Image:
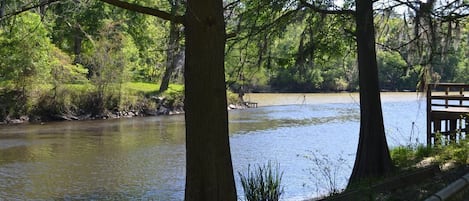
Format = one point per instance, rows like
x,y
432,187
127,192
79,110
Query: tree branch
x,y
409,4
324,11
146,10
24,9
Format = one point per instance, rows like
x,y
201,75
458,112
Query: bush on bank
x,y
86,101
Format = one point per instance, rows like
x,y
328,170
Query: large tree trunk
x,y
173,49
209,172
372,159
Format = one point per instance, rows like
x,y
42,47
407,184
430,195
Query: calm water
x,y
144,159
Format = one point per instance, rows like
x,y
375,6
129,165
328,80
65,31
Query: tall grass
x,y
263,183
408,156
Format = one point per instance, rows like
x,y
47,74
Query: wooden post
x,y
446,94
452,130
436,128
461,93
429,111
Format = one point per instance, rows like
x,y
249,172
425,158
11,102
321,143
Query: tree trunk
x,y
42,9
173,49
372,159
77,43
2,8
209,171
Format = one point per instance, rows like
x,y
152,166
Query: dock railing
x,y
447,110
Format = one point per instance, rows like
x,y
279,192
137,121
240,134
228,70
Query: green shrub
x,y
232,98
456,151
13,103
423,151
173,97
403,156
263,183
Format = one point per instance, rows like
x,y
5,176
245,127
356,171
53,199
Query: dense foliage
x,y
74,59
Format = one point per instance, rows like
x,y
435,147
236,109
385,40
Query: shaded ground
x,y
427,187
410,186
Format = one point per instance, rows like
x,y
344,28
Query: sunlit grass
x,y
142,87
150,88
406,156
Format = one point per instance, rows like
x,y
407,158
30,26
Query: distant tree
x,y
24,64
429,36
109,61
173,48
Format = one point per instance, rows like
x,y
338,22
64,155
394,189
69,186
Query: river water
x,y
144,158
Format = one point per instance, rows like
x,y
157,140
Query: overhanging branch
x,y
146,10
24,9
325,11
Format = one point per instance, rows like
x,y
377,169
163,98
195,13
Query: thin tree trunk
x,y
2,8
42,9
77,43
372,159
173,49
209,172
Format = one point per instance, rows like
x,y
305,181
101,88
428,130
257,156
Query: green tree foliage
x,y
290,49
109,63
24,63
149,35
394,73
462,69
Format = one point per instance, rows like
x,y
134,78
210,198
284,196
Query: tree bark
x,y
77,43
2,8
209,172
372,159
173,49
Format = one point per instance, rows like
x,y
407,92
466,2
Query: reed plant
x,y
262,183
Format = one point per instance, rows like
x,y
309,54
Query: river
x,y
144,158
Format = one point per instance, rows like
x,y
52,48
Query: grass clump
x,y
233,98
407,156
173,97
403,156
457,152
263,183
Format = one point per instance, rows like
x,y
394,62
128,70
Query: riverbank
x,y
421,172
416,184
171,103
87,102
144,101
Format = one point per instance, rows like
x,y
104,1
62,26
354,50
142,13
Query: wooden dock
x,y
250,104
447,111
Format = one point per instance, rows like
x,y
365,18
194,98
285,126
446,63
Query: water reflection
x,y
144,158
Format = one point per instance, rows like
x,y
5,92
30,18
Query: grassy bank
x,y
420,172
86,101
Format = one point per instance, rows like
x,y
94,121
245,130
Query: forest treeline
x,y
71,59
